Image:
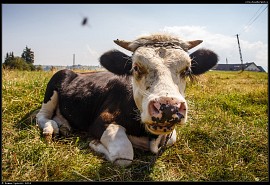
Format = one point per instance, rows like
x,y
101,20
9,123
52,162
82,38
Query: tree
x,y
17,63
28,55
9,56
26,62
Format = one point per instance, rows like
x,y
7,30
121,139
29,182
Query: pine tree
x,y
21,63
7,57
28,55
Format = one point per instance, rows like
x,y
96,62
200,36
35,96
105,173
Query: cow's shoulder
x,y
58,80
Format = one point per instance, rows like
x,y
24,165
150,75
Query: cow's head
x,y
159,67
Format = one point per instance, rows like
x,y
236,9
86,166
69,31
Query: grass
x,y
225,138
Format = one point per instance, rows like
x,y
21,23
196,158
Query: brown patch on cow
x,y
106,116
109,117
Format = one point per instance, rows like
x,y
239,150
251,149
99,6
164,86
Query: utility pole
x,y
226,61
240,53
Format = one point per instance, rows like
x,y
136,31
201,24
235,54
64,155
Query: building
x,y
74,67
238,67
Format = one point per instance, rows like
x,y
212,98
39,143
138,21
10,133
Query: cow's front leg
x,y
155,144
115,145
172,139
44,117
152,144
64,127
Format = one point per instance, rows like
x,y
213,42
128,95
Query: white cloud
x,y
225,46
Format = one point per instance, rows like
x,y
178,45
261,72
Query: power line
x,y
254,15
257,16
250,23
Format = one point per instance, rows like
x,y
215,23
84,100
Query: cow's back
x,y
86,98
81,98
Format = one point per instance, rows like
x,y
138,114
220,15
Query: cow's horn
x,y
123,44
194,43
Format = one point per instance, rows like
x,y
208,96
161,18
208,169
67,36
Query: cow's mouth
x,y
158,129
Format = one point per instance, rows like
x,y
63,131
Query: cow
x,y
135,103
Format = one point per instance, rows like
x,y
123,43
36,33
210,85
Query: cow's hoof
x,y
51,127
48,137
65,131
122,162
94,143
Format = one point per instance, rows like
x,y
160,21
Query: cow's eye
x,y
138,71
186,72
136,68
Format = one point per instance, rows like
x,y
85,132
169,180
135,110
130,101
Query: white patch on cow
x,y
62,123
152,145
161,79
115,145
43,118
172,139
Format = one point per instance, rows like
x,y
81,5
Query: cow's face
x,y
158,67
158,87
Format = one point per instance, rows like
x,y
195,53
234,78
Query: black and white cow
x,y
136,103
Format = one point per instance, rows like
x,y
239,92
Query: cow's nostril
x,y
180,116
182,108
154,108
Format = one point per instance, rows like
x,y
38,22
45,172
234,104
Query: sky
x,y
54,31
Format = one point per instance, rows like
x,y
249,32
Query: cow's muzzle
x,y
165,114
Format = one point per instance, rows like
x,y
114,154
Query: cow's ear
x,y
202,61
116,62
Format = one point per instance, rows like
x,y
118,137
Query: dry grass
x,y
225,139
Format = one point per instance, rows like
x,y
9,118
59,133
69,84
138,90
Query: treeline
x,y
25,62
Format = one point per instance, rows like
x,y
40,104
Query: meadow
x,y
225,138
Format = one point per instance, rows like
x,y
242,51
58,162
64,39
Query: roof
x,y
260,67
235,67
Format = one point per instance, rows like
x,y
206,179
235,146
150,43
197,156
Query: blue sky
x,y
54,32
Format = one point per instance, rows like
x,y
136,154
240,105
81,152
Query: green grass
x,y
225,138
